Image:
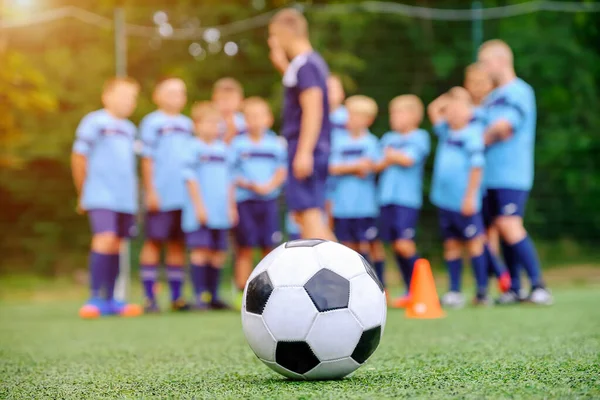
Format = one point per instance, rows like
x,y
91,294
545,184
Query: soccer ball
x,y
313,309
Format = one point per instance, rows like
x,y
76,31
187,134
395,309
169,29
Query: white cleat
x,y
453,300
541,296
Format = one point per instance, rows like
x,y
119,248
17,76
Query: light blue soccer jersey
x,y
339,118
458,152
509,164
165,139
352,196
257,162
210,165
108,144
240,125
403,186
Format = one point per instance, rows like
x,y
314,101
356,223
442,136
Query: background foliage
x,y
51,75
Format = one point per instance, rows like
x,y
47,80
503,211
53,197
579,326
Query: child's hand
x,y
233,215
262,190
201,215
390,156
364,167
152,202
468,206
244,184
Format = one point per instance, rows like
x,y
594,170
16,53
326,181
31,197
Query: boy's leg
x,y
213,272
175,262
199,243
452,235
404,224
377,255
246,239
474,237
156,229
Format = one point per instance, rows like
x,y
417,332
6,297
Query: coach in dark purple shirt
x,y
306,124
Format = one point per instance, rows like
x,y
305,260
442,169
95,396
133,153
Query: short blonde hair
x,y
498,47
292,19
202,109
362,104
113,82
410,101
255,101
460,93
228,85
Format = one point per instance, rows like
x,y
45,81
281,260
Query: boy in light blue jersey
x,y
260,159
400,191
227,96
456,190
209,211
104,171
352,161
510,134
165,135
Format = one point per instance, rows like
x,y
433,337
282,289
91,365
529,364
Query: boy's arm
x,y
85,138
497,132
511,110
470,200
79,172
311,102
193,188
149,137
233,213
435,110
398,157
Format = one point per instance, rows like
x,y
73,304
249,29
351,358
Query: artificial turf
x,y
512,352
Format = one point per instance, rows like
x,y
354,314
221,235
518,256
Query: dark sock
x,y
149,275
198,275
378,266
405,270
493,263
528,258
366,257
455,273
213,276
175,276
112,275
512,264
98,272
479,266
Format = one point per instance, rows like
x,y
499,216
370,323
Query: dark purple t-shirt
x,y
304,72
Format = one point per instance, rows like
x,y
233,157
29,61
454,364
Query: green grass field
x,y
515,352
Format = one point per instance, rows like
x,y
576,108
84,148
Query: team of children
x,y
224,168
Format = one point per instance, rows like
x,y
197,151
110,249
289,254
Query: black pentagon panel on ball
x,y
367,344
258,293
304,243
328,291
296,356
372,274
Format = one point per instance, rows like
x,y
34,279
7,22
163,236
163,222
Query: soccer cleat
x,y
123,309
151,307
218,304
401,302
200,306
180,305
482,300
504,282
453,300
541,296
94,308
507,298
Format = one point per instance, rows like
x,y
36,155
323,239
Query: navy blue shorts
x,y
355,230
398,222
507,202
486,214
311,192
104,221
258,224
293,236
454,225
163,225
206,238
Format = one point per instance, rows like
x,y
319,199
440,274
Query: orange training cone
x,y
424,303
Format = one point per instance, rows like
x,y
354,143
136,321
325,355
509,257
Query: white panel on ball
x,y
340,259
283,371
325,339
289,313
334,369
259,338
294,266
367,301
267,261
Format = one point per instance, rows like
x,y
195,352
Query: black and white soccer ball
x,y
313,309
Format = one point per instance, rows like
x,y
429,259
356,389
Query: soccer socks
x,y
175,276
99,264
512,263
379,270
455,273
149,275
213,277
493,262
111,275
479,265
527,255
198,275
406,266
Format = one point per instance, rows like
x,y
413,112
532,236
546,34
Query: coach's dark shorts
x,y
454,225
355,230
308,193
206,238
121,224
164,225
258,224
507,202
398,222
